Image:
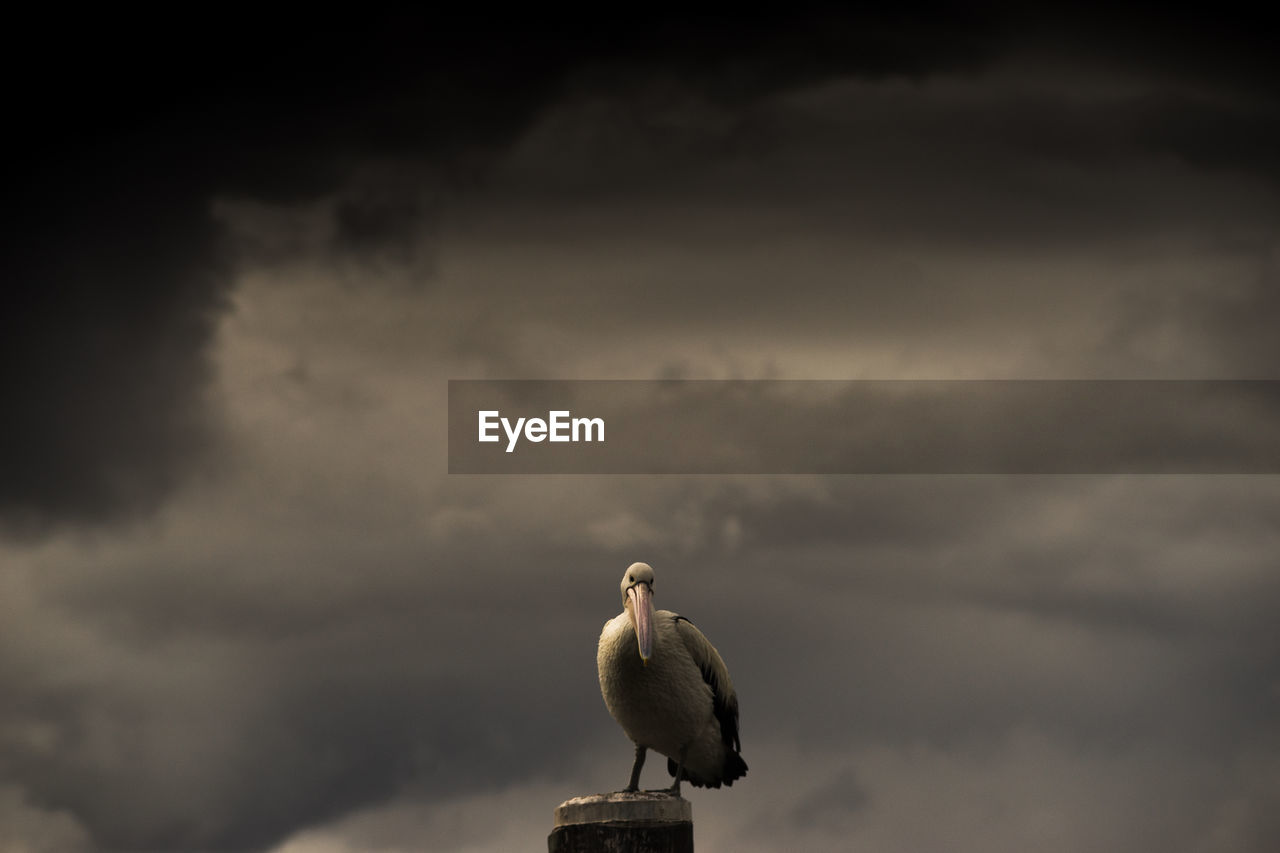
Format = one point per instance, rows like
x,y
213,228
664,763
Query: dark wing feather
x,y
716,675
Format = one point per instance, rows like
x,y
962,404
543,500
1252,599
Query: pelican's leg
x,y
634,784
674,790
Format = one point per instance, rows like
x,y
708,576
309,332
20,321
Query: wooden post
x,y
643,822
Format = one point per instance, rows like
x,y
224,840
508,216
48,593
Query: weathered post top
x,y
640,822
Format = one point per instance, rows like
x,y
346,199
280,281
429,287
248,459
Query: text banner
x,y
864,427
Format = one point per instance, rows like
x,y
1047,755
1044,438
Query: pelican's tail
x,y
733,768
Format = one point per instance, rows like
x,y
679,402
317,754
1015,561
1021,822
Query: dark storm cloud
x,y
1232,136
102,343
950,212
386,220
1019,156
113,279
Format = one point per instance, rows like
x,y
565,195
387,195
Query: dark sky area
x,y
244,607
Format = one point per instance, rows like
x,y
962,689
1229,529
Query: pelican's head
x,y
637,598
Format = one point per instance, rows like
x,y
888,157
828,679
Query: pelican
x,y
668,688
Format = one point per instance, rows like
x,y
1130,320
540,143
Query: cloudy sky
x,y
243,606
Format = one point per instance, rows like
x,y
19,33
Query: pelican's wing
x,y
716,675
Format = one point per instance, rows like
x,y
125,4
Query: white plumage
x,y
669,689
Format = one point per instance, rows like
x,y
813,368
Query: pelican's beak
x,y
640,597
